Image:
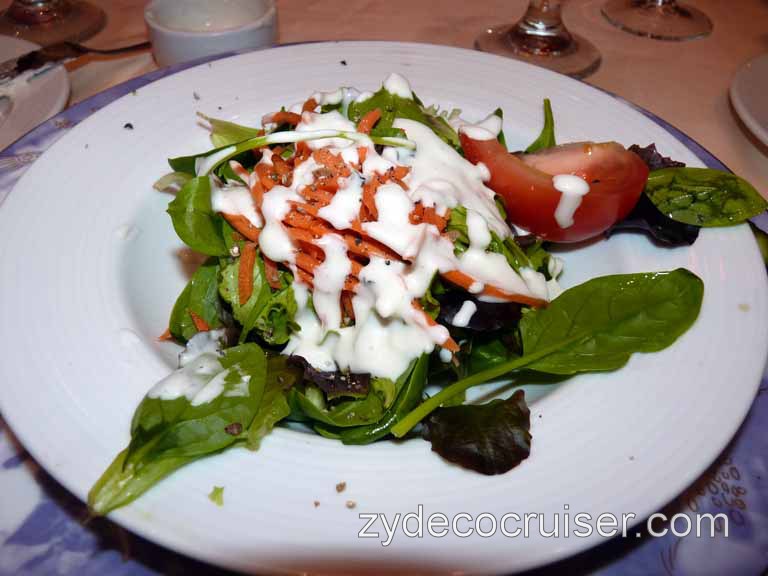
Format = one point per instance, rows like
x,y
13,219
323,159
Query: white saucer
x,y
32,97
748,95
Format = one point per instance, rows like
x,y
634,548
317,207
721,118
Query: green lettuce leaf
x,y
201,297
194,220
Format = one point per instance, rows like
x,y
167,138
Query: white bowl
x,y
182,30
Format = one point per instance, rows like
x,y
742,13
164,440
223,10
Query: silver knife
x,y
38,58
60,52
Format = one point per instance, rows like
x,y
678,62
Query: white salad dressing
x,y
329,280
390,330
274,241
345,206
487,129
572,189
464,315
234,199
399,86
201,378
312,121
440,177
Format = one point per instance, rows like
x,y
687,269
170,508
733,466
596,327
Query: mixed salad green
x,y
356,256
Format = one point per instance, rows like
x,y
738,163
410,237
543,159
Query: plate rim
x,y
745,115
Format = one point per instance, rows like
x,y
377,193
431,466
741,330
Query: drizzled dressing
x,y
388,332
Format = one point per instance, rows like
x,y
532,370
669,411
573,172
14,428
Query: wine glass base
x,y
579,60
79,23
675,22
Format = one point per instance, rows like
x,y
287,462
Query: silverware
x,y
55,53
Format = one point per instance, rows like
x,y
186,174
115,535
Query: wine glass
x,y
541,38
660,19
47,22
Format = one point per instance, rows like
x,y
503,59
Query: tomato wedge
x,y
616,178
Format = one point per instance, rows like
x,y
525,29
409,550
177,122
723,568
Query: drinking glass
x,y
541,38
660,19
47,22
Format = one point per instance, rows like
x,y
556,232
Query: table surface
x,y
684,83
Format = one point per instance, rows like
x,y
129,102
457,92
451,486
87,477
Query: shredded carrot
x,y
306,262
450,343
245,272
243,226
362,154
369,201
367,248
465,281
300,234
283,117
282,169
346,306
356,267
301,153
272,273
417,214
350,284
305,277
398,172
165,336
432,217
334,162
309,105
200,324
313,194
368,121
257,192
267,176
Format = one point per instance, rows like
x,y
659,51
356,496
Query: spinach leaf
x,y
429,302
489,438
200,296
762,241
224,133
391,106
645,217
194,220
547,137
501,138
534,256
442,128
275,323
595,326
172,182
245,313
344,414
188,164
703,196
269,312
274,405
169,433
598,325
410,387
487,353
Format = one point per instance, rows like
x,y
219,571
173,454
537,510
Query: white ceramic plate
x,y
90,269
31,98
748,95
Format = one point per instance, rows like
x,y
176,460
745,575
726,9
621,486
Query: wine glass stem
x,y
541,29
